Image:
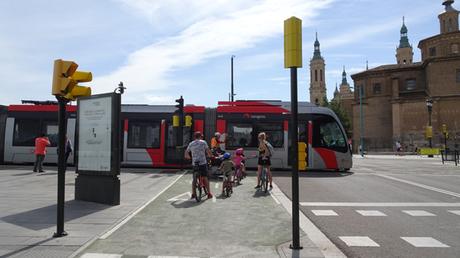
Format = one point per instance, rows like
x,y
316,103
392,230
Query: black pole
x,y
231,91
61,168
429,124
295,163
180,139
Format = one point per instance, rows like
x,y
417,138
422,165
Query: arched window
x,y
316,75
321,75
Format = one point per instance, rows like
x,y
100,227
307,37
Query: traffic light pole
x,y
61,167
295,163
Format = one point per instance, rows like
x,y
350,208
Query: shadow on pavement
x,y
41,218
182,204
30,246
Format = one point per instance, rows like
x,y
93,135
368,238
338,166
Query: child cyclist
x,y
226,168
238,161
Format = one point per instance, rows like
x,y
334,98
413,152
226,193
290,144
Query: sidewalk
x,y
28,210
156,218
247,224
393,156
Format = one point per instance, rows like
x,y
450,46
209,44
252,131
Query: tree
x,y
340,112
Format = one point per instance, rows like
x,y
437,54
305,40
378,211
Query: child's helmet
x,y
239,151
226,155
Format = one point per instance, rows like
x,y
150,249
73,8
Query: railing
x,y
450,155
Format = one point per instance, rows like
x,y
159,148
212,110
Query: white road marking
x,y
371,213
424,242
154,256
274,198
327,248
455,212
324,213
421,185
99,255
361,241
214,199
181,197
217,185
419,213
381,204
125,220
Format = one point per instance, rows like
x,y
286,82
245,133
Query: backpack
x,y
270,148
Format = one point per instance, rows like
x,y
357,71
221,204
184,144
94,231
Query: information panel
x,y
97,134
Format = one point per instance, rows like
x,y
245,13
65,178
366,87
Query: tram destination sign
x,y
98,134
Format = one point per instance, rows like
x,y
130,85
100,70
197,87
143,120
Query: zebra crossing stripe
x,y
419,213
360,241
455,212
100,255
371,213
424,242
324,213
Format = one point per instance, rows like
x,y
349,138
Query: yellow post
x,y
292,42
175,121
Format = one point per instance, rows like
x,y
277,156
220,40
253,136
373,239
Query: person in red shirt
x,y
40,151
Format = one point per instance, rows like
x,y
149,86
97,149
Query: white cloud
x,y
150,68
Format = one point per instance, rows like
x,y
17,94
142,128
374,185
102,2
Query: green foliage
x,y
340,112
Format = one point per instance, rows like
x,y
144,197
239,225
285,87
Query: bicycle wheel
x,y
262,180
198,190
266,182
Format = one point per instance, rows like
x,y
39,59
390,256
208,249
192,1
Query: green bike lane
x,y
249,224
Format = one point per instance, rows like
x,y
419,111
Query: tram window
x,y
25,132
240,135
275,133
327,134
51,129
143,135
245,135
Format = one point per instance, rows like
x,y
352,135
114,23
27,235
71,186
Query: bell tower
x,y
404,53
317,78
448,20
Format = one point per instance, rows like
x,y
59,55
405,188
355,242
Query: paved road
x,y
387,207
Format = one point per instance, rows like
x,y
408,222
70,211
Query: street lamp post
x,y
231,90
429,105
361,120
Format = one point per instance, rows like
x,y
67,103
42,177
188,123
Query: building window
x,y
316,75
454,48
458,75
411,84
377,88
321,75
143,134
432,51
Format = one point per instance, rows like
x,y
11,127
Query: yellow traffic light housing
x,y
66,79
188,121
176,121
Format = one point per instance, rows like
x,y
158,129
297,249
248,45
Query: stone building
x,y
394,96
345,95
317,76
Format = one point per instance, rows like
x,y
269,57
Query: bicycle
x,y
264,180
199,183
228,186
238,175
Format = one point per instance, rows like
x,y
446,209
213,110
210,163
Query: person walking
x,y
68,148
40,152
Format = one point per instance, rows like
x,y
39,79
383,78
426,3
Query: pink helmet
x,y
239,151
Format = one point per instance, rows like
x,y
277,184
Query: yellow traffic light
x,y
444,129
66,79
175,121
188,121
61,76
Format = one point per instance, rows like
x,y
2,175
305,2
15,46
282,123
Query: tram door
x,y
174,152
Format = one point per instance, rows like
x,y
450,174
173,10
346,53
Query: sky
x,y
163,49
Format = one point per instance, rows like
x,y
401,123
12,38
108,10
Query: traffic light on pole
x,y
180,105
66,79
